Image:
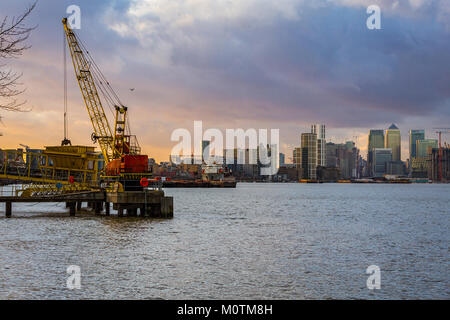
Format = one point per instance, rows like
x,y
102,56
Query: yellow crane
x,y
113,144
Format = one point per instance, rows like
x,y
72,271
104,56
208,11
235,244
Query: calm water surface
x,y
280,241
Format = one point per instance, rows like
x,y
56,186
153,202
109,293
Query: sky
x,y
260,64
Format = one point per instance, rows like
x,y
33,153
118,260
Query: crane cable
x,y
103,90
100,74
66,129
106,90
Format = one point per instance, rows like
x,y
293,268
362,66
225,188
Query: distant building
x,y
328,174
288,172
421,166
394,142
250,164
244,164
344,156
297,157
395,168
282,159
319,130
354,160
363,169
381,156
443,165
414,135
309,155
376,140
331,159
425,146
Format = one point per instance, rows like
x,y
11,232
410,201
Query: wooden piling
x,y
8,209
167,207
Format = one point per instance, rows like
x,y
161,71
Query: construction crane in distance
x,y
120,149
441,131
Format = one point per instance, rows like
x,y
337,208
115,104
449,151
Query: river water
x,y
258,241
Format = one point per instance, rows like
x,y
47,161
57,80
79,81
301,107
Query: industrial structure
x,y
442,159
118,174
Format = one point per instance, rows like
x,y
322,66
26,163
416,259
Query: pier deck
x,y
151,203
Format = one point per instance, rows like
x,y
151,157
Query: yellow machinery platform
x,y
70,167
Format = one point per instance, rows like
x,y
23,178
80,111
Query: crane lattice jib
x,y
102,130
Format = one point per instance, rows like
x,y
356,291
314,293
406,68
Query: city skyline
x,y
232,157
269,81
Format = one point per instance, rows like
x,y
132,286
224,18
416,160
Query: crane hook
x,y
94,138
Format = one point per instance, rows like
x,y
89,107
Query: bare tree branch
x,y
13,37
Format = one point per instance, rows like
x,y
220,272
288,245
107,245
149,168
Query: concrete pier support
x,y
8,209
132,212
98,207
72,206
156,211
142,211
107,208
151,203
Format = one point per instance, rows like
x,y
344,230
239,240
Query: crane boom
x,y
112,146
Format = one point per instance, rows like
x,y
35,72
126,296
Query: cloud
x,y
295,55
251,63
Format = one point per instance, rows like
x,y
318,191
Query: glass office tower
x,y
394,142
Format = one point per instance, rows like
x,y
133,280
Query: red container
x,y
134,164
113,168
128,164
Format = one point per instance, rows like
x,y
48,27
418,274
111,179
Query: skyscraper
x,y
297,157
376,140
393,142
421,163
309,155
332,155
414,135
282,159
424,147
381,157
319,130
344,156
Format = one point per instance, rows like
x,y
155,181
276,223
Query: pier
x,y
147,203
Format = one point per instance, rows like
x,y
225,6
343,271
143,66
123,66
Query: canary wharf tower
x,y
393,142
